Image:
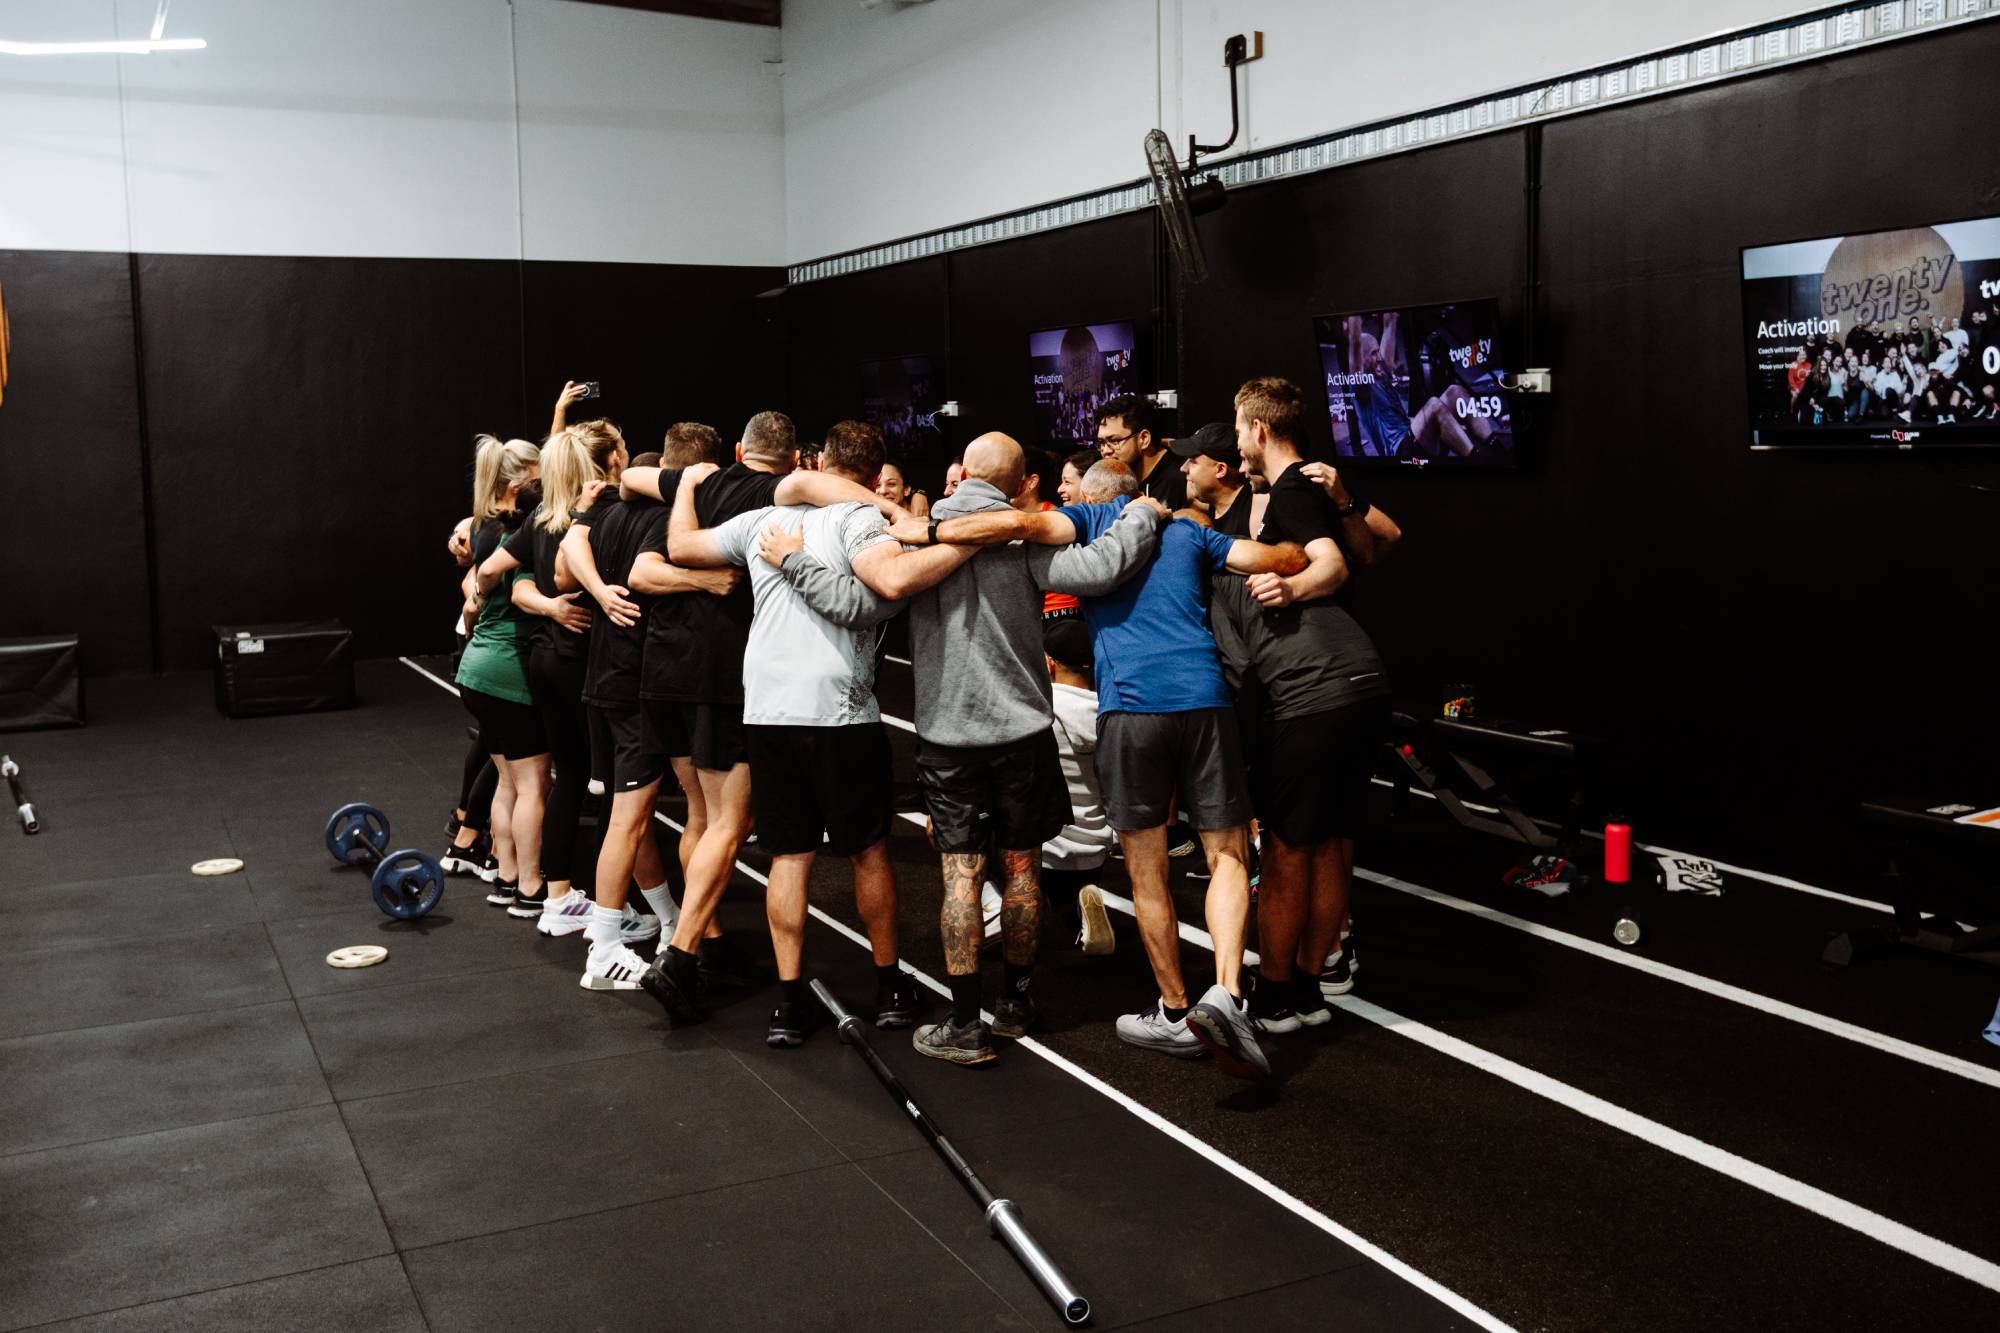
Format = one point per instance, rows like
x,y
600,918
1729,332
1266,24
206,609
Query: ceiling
x,y
763,12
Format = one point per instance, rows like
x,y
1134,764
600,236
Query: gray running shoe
x,y
1152,1029
1221,1022
969,1045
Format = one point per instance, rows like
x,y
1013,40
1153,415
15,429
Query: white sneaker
x,y
989,907
565,915
1095,938
1151,1029
612,968
637,928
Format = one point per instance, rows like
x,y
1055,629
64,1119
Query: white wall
x,y
414,128
901,119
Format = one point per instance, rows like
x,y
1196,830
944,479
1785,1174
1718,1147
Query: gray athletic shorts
x,y
1144,758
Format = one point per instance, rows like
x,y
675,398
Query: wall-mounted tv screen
x,y
1417,386
901,396
1885,339
1077,370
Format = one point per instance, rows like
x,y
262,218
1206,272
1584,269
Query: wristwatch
x,y
1356,507
934,528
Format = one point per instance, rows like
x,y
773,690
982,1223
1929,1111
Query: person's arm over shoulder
x,y
637,483
823,489
496,567
688,544
841,598
1050,527
1114,554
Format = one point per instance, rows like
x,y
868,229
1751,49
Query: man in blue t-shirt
x,y
1166,726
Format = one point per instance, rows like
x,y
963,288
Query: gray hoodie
x,y
976,638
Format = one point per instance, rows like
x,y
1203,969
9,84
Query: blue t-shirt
x,y
1150,637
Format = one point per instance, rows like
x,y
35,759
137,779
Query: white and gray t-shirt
x,y
800,669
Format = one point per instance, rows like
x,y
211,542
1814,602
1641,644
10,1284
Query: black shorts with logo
x,y
508,730
980,796
820,788
1310,777
1143,759
638,758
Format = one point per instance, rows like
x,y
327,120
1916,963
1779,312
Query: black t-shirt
x,y
618,531
1235,520
1306,658
695,641
1166,482
534,547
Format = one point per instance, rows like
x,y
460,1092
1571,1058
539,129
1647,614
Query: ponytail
x,y
572,459
495,466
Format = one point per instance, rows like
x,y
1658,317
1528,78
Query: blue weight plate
x,y
357,833
407,884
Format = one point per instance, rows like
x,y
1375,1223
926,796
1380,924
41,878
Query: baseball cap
x,y
1214,440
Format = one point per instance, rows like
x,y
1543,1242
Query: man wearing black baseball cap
x,y
1213,466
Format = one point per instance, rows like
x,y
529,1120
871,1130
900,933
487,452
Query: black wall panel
x,y
72,525
1763,636
666,343
311,424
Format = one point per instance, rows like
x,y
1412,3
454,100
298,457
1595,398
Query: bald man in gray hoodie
x,y
986,753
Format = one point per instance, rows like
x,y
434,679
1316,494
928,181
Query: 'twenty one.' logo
x,y
1889,276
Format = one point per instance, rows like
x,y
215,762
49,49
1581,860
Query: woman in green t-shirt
x,y
493,676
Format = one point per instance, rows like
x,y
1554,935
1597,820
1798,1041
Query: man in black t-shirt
x,y
1322,699
1125,432
1212,467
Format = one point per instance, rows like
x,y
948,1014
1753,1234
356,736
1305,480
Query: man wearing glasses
x,y
1124,432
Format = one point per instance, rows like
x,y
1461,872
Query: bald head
x,y
1108,480
996,459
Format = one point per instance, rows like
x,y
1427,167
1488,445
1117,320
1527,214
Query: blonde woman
x,y
493,676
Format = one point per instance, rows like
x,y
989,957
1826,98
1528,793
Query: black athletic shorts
x,y
809,781
1310,776
713,734
508,730
637,759
981,796
1144,758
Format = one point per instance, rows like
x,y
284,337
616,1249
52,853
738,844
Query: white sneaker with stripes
x,y
565,915
614,967
637,927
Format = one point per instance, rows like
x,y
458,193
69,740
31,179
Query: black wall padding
x,y
1764,636
72,528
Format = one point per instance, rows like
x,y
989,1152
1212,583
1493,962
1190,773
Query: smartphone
x,y
590,389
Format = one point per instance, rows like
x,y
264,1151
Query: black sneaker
x,y
1271,1005
461,861
969,1045
725,967
1353,959
675,981
788,1026
1307,1002
1013,1017
489,868
1338,979
503,893
898,1003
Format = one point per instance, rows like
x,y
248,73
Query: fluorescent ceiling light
x,y
139,48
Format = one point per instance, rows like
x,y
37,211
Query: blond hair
x,y
496,465
572,459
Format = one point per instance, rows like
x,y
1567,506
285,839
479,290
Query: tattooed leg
x,y
1021,906
961,924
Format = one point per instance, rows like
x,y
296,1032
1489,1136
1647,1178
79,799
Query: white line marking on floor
x,y
1833,1027
1833,1208
1214,1156
899,661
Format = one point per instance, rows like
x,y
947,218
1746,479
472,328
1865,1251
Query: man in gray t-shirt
x,y
819,759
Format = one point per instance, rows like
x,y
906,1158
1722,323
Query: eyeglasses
x,y
1110,441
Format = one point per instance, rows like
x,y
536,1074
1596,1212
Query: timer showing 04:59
x,y
1484,406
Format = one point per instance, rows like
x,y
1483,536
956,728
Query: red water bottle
x,y
1617,853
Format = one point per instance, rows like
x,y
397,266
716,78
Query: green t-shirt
x,y
495,660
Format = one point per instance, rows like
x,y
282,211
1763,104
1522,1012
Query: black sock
x,y
794,992
964,1000
1019,978
888,978
680,958
1173,1015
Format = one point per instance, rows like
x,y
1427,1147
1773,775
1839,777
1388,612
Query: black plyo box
x,y
300,666
39,683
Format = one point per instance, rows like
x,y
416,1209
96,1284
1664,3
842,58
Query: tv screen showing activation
x,y
1417,386
1884,340
1077,370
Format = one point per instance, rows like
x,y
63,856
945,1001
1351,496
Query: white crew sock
x,y
661,900
603,927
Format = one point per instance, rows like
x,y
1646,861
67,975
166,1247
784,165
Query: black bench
x,y
1941,876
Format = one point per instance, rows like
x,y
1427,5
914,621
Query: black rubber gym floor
x,y
203,1126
